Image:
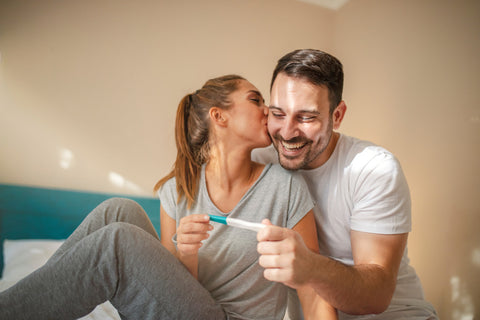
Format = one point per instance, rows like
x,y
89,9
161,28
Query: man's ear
x,y
338,114
218,116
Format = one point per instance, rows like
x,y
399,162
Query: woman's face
x,y
248,116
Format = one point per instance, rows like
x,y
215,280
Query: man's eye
x,y
277,115
306,119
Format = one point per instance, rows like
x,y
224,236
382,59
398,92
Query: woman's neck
x,y
228,169
229,175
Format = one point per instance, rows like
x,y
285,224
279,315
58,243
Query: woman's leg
x,y
120,262
109,211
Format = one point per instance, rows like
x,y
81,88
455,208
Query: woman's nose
x,y
265,110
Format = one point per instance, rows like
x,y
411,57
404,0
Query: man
x,y
363,202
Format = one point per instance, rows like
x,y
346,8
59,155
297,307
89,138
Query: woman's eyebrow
x,y
256,92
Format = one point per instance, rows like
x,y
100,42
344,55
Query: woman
x,y
217,127
116,255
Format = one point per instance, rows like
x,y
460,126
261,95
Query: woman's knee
x,y
122,203
123,209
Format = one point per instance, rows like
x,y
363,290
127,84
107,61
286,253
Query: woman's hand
x,y
192,230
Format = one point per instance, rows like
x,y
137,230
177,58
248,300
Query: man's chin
x,y
289,163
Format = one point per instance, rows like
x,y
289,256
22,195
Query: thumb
x,y
267,222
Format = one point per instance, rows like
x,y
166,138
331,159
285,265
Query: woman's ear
x,y
218,116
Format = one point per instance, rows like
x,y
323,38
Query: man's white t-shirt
x,y
362,187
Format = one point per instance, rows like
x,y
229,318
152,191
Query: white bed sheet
x,y
21,257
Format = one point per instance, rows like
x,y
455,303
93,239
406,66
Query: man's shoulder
x,y
362,157
360,150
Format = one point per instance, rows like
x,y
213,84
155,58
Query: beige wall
x,y
89,89
412,85
102,79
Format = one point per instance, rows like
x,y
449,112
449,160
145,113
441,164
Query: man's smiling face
x,y
300,122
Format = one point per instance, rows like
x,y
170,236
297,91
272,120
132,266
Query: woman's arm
x,y
168,228
192,230
313,306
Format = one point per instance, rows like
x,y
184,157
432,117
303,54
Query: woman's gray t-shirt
x,y
228,260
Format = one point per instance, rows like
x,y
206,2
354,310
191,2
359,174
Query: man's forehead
x,y
290,82
298,95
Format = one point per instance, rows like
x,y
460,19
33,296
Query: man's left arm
x,y
377,259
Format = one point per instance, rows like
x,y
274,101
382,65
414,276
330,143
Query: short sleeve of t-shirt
x,y
168,197
301,201
381,198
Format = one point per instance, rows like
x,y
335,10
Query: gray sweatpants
x,y
114,255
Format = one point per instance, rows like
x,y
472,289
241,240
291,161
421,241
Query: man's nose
x,y
289,129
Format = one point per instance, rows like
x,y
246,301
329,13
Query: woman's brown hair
x,y
192,128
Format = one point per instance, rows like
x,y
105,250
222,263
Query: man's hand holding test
x,y
284,255
287,257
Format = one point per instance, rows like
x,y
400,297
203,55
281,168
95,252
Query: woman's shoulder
x,y
280,174
168,187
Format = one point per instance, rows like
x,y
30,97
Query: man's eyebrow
x,y
314,111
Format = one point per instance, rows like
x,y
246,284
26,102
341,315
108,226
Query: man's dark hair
x,y
316,67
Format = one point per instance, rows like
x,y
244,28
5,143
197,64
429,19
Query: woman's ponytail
x,y
185,170
192,128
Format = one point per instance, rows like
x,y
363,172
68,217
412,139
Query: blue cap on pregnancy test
x,y
219,219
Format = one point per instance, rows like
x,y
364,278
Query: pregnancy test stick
x,y
237,223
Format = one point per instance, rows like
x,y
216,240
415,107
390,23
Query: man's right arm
x,y
364,288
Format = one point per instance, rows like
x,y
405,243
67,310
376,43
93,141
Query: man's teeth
x,y
293,146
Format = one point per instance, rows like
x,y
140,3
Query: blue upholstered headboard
x,y
43,213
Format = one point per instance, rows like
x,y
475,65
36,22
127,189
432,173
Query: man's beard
x,y
313,153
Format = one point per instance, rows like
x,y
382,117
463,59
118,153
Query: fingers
x,y
279,268
267,222
192,230
282,275
275,261
282,254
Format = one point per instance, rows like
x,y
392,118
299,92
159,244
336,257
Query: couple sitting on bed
x,y
200,269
